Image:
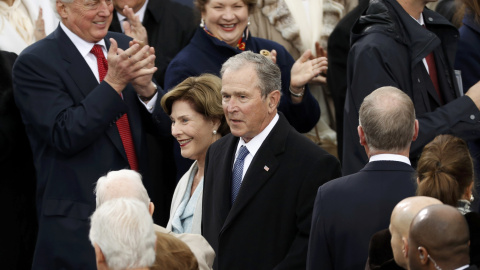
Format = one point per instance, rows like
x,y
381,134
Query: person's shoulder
x,y
268,44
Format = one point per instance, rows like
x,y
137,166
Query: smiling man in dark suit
x,y
260,180
84,116
349,210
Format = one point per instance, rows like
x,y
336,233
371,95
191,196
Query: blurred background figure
x,y
17,193
468,62
165,25
445,171
22,23
195,108
438,239
299,26
122,234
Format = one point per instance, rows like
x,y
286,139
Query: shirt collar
x,y
84,47
254,144
420,21
390,157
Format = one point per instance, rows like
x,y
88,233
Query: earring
x,y
202,23
214,132
248,23
472,198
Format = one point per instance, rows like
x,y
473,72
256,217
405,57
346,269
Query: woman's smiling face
x,y
226,19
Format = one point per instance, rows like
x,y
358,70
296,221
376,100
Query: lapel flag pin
x,y
266,168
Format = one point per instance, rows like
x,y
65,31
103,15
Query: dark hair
x,y
200,4
445,169
203,94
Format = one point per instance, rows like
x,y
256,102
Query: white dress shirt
x,y
84,47
254,144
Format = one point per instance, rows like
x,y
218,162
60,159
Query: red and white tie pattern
x,y
122,124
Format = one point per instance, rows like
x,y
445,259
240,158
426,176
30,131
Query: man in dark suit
x,y
258,215
349,210
439,239
84,116
169,26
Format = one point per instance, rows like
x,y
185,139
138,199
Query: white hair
x,y
122,183
123,230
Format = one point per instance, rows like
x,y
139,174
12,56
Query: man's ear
x,y
151,208
61,9
423,255
273,99
100,258
405,247
417,128
361,135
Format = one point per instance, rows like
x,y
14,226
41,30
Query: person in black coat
x,y
338,47
388,49
18,177
350,209
264,223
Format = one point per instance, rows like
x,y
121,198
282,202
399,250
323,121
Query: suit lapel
x,y
84,78
262,168
225,166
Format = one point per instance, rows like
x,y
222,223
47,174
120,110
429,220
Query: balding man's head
x,y
387,121
400,221
122,184
438,237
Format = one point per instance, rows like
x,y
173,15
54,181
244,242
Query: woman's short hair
x,y
173,254
203,94
200,4
445,169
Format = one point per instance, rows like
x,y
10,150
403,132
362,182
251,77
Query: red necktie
x,y
122,124
432,71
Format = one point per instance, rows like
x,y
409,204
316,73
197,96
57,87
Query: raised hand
x,y
126,66
134,27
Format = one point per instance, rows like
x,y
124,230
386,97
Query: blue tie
x,y
238,172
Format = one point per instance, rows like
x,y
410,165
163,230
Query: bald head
x,y
122,183
439,235
402,216
387,118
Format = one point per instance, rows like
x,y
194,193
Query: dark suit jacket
x,y
349,210
268,226
387,50
170,26
70,121
338,47
17,192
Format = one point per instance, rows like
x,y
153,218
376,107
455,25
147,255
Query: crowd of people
x,y
240,134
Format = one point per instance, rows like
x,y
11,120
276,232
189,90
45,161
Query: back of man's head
x,y
402,216
387,117
122,233
122,183
438,237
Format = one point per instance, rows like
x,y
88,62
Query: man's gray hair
x,y
123,229
268,73
387,117
122,183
